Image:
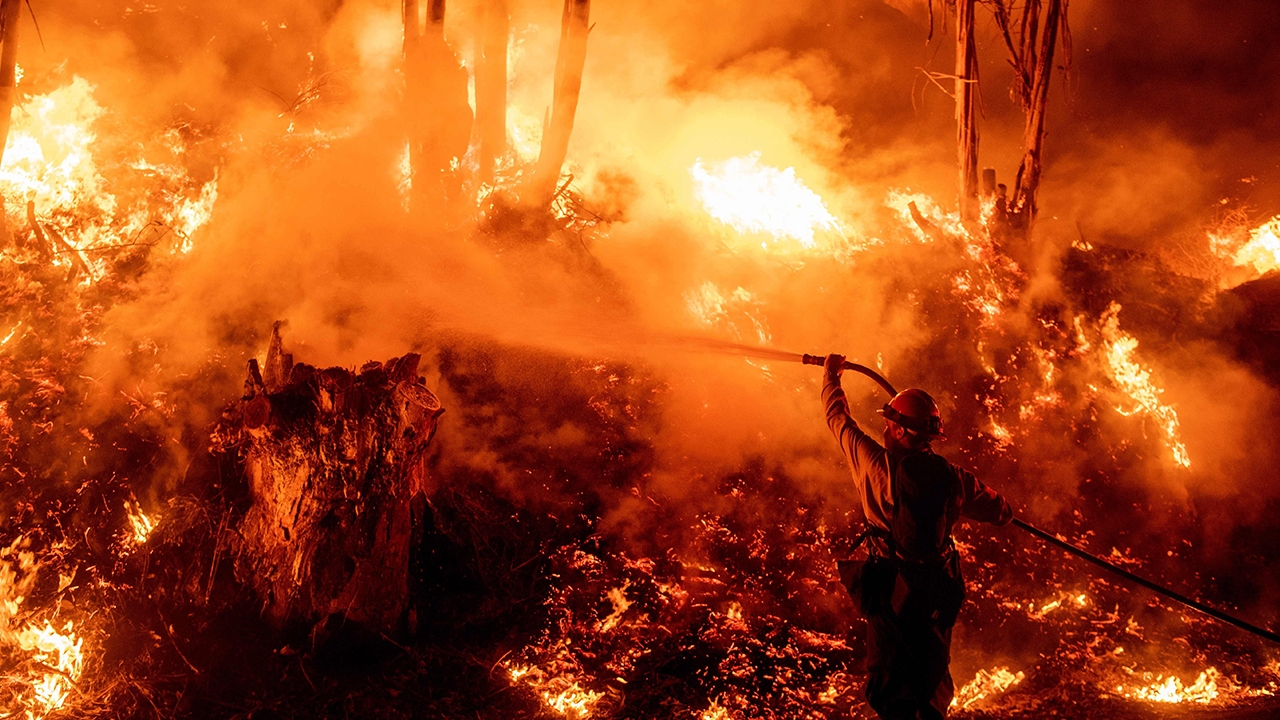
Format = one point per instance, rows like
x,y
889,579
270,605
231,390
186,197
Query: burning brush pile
x,y
483,523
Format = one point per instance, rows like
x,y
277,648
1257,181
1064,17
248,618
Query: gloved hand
x,y
833,365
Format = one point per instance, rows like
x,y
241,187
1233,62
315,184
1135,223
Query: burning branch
x,y
1032,56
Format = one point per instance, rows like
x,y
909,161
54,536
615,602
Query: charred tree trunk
x,y
437,113
570,60
1032,45
333,461
491,87
9,13
1038,100
966,90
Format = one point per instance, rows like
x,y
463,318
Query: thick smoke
x,y
296,106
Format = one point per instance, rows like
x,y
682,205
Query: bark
x,y
570,60
10,10
1038,100
966,90
333,461
411,30
437,113
491,87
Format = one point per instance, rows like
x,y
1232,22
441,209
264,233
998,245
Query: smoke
x,y
297,108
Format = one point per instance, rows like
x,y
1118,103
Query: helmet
x,y
916,411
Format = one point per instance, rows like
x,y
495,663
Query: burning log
x,y
333,461
568,85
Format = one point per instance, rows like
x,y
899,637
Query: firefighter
x,y
910,588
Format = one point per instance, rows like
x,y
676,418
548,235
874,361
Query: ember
x,y
986,685
425,359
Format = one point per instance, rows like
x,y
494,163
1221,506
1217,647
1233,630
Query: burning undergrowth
x,y
581,550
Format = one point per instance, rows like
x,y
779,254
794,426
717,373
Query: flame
x,y
61,658
753,198
45,662
1171,689
900,202
49,160
712,308
715,712
985,685
1135,381
139,522
558,686
1262,251
404,177
617,596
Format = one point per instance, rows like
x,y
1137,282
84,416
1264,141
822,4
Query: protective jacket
x,y
934,493
910,590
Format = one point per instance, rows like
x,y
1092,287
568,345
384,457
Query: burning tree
x,y
1032,32
186,541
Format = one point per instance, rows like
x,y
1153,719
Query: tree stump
x,y
333,461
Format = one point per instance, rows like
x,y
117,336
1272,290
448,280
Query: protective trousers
x,y
910,613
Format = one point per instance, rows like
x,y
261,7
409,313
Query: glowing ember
x,y
564,695
986,685
715,712
139,522
1262,252
1135,381
754,198
617,596
1172,690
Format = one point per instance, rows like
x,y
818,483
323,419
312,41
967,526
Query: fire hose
x,y
1076,550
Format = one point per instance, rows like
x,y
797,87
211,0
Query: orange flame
x,y
986,684
1134,380
754,198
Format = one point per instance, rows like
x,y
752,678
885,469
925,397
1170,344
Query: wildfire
x,y
559,693
1171,689
50,161
1135,381
715,712
1262,251
754,198
139,522
985,685
738,312
900,202
44,662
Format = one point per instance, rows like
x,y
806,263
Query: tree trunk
x,y
966,89
10,10
437,113
491,87
334,466
1038,100
570,60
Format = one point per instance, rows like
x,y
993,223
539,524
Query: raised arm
x,y
982,503
859,448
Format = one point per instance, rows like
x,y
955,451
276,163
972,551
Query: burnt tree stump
x,y
333,462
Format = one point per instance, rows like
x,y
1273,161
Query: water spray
x,y
767,353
